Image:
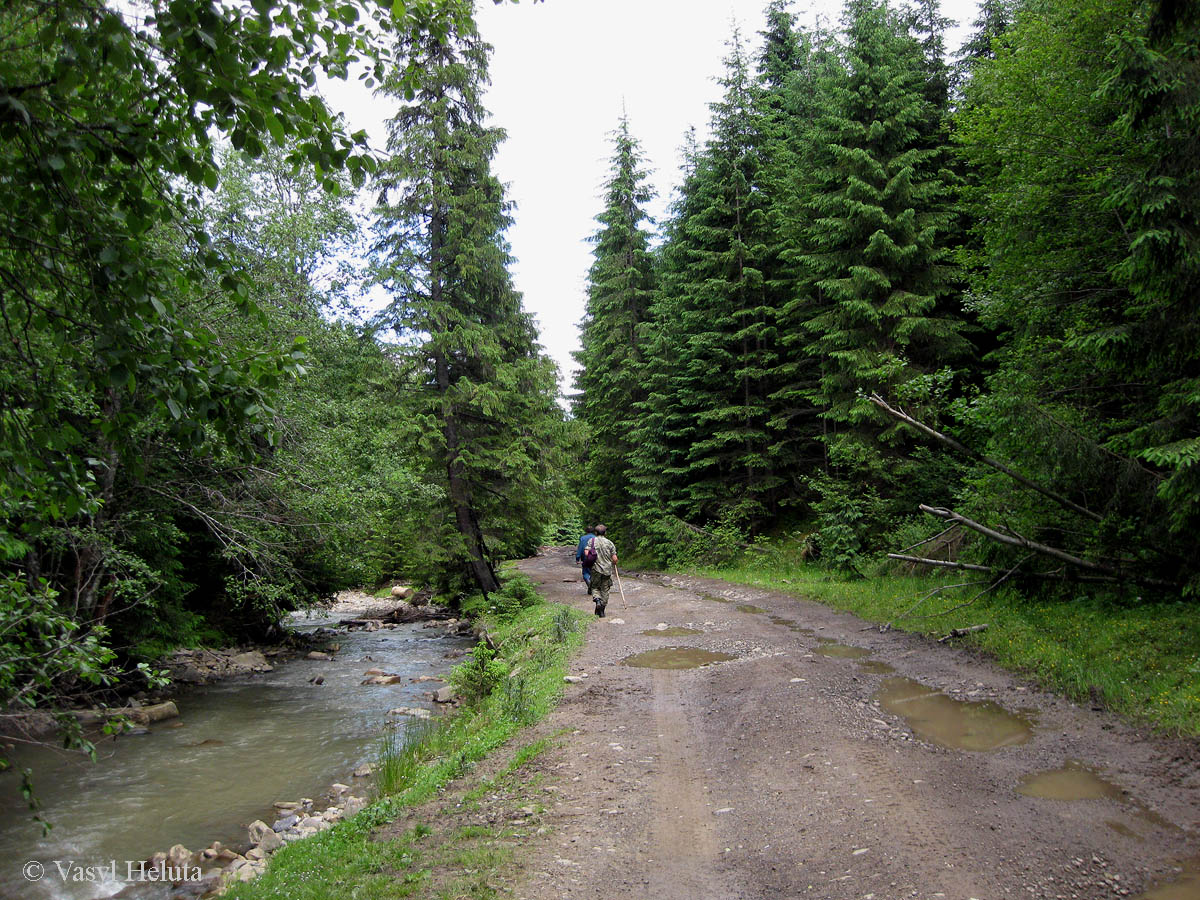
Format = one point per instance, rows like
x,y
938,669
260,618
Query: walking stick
x,y
619,588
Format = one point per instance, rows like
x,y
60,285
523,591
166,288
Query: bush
x,y
475,679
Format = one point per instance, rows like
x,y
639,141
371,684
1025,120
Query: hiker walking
x,y
602,568
579,557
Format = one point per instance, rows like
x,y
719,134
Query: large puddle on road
x,y
676,658
1074,781
672,631
835,650
956,724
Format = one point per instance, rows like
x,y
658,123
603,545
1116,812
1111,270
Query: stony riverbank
x,y
211,871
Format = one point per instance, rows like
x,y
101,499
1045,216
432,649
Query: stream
x,y
238,746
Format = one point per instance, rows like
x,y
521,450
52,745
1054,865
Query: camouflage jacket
x,y
605,551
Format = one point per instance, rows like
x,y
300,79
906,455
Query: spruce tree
x,y
483,394
619,292
716,304
788,64
874,302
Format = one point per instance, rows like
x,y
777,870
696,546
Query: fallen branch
x,y
1011,540
887,626
986,460
971,567
959,632
943,563
1016,540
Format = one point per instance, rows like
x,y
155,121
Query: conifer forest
x,y
942,306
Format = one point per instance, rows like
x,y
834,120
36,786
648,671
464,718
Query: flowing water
x,y
238,746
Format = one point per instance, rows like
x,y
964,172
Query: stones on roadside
x,y
572,679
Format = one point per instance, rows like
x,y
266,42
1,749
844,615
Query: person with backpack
x,y
603,567
579,557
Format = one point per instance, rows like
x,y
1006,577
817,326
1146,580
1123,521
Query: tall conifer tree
x,y
619,293
716,303
875,277
484,393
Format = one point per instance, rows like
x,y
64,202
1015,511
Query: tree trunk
x,y
466,519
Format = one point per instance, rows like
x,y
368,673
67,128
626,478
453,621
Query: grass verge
x,y
1141,660
366,858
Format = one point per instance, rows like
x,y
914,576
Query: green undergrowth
x,y
503,691
1138,658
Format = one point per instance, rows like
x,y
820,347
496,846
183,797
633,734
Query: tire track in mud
x,y
684,837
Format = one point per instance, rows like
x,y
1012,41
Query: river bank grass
x,y
366,857
1141,660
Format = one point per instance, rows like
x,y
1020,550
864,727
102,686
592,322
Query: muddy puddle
x,y
750,608
874,667
1074,781
672,631
955,724
1077,781
714,598
837,650
676,658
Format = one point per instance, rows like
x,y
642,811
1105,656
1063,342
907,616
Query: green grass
x,y
1141,660
348,860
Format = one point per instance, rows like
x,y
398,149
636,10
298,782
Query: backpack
x,y
589,553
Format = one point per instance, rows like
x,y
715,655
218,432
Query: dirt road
x,y
785,772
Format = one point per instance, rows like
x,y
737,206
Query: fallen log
x,y
1014,540
971,567
959,632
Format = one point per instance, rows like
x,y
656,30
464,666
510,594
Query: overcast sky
x,y
562,72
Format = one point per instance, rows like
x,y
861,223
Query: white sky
x,y
561,73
